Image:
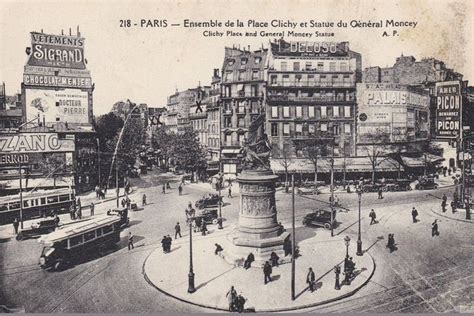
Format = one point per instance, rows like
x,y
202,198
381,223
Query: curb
x,y
107,200
456,219
262,310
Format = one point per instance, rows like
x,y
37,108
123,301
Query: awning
x,y
419,162
230,151
353,164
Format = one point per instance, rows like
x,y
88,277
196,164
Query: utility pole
x,y
191,288
293,239
98,155
332,191
117,181
21,196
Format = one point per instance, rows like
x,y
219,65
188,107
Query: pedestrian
x,y
180,190
240,303
434,228
123,203
372,216
190,205
380,194
274,259
168,186
164,243
310,278
229,194
79,203
248,261
79,213
16,223
231,296
350,270
130,241
443,206
449,171
163,190
56,220
267,272
96,191
337,272
203,228
92,209
453,207
391,242
71,212
168,243
144,199
218,249
177,230
414,214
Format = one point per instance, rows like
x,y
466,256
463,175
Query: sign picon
x,y
448,109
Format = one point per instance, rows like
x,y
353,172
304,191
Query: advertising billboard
x,y
67,105
34,143
316,49
448,109
392,109
56,51
56,77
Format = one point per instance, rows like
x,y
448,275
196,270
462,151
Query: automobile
x,y
206,201
373,187
426,184
308,191
123,214
208,215
399,185
42,227
321,218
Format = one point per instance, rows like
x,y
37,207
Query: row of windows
x,y
318,66
242,106
242,75
228,121
199,124
321,111
300,129
245,60
32,202
239,140
213,142
88,236
241,90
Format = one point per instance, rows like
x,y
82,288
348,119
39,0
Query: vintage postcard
x,y
236,156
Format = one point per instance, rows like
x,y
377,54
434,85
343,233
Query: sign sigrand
x,y
34,143
57,51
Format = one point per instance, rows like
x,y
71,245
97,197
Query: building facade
x,y
198,114
213,125
242,100
311,94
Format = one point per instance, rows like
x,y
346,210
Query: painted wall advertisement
x,y
392,109
56,51
34,143
57,77
448,109
68,105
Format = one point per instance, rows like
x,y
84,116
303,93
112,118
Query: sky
x,y
146,65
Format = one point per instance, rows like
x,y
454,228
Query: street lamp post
x,y
219,187
347,241
359,240
191,288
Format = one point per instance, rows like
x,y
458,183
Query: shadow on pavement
x,y
214,278
303,233
134,222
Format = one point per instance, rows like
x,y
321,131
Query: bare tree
x,y
314,148
376,152
285,161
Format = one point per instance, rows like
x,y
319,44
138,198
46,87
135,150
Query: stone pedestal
x,y
258,230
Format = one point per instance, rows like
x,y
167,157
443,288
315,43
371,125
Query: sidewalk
x,y
213,275
460,214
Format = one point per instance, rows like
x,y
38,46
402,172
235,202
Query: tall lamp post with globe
x,y
359,240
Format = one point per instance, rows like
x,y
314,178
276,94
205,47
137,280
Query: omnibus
x,y
35,204
64,246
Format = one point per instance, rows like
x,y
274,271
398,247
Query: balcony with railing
x,y
320,98
313,84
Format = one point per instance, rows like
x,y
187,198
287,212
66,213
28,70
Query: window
x,y
344,66
286,111
227,91
230,168
308,65
286,129
241,75
255,74
241,122
347,128
274,111
240,139
258,60
320,66
228,76
43,201
230,62
243,61
335,111
332,66
299,129
273,79
99,232
89,235
228,140
311,129
311,111
227,121
284,66
255,90
107,229
64,197
241,108
324,127
347,111
274,129
324,111
335,129
296,66
52,199
74,241
299,111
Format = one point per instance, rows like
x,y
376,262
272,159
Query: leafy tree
x,y
53,165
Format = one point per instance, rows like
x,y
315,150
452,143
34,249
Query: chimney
x,y
70,33
216,72
248,48
62,32
78,32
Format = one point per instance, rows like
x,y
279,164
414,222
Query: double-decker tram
x,y
65,246
35,204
